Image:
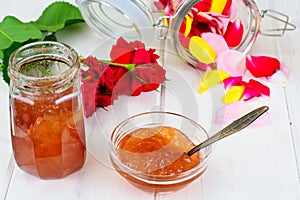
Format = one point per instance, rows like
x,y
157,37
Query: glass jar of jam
x,y
47,124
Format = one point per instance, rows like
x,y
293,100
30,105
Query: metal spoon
x,y
232,128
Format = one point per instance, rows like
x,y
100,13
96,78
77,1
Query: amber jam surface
x,y
48,134
157,152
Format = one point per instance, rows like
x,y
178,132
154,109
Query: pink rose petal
x,y
203,66
169,8
279,78
233,11
249,93
232,62
285,70
214,20
216,41
232,81
230,112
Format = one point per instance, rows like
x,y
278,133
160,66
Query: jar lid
x,y
113,18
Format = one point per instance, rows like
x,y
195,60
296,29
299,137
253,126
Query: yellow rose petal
x,y
234,94
211,78
218,6
166,22
201,50
188,25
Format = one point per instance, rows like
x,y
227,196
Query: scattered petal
x,y
159,4
233,94
234,33
169,8
232,61
232,81
199,28
216,41
218,6
231,112
188,25
202,6
285,70
226,10
233,10
201,50
279,78
184,40
211,78
249,93
204,67
217,23
259,87
261,66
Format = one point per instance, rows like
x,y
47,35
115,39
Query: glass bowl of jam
x,y
150,151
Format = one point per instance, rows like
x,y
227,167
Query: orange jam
x,y
159,151
48,134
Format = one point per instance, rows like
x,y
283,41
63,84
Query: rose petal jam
x,y
157,152
47,124
48,139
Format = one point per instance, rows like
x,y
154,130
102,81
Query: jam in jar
x,y
47,124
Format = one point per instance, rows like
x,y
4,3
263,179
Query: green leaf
x,y
7,52
58,15
1,54
13,30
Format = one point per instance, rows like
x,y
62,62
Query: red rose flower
x,y
146,75
123,52
122,80
147,78
90,80
133,70
98,85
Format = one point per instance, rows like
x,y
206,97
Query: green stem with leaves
x,y
130,66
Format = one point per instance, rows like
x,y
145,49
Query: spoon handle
x,y
234,127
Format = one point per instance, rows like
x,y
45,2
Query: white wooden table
x,y
262,162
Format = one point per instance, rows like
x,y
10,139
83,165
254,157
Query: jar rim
x,y
71,60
